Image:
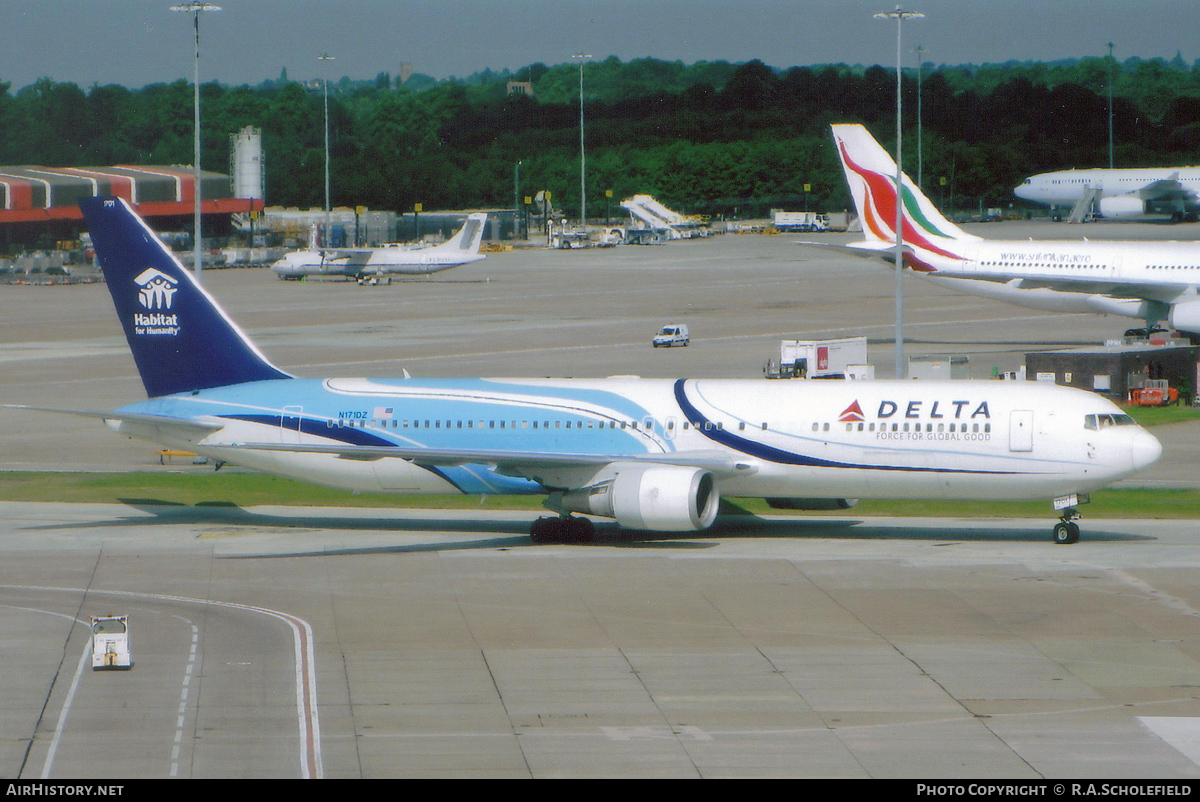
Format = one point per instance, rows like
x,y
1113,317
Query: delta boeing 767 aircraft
x,y
653,454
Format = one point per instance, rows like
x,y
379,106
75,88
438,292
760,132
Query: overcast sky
x,y
137,42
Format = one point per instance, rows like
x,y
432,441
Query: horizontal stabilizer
x,y
182,425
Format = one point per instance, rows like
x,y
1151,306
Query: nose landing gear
x,y
1066,531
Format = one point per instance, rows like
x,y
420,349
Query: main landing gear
x,y
1066,531
562,529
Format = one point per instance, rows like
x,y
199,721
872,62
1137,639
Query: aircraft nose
x,y
1144,450
1022,191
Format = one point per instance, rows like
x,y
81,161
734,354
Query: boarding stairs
x,y
653,215
1084,209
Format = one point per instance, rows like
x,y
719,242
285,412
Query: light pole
x,y
194,8
899,15
325,57
1110,105
517,201
920,51
581,57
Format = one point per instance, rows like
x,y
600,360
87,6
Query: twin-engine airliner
x,y
1122,192
387,260
652,454
1151,281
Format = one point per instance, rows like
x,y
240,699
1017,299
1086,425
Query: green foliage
x,y
707,137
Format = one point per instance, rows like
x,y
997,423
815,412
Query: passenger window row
x,y
647,425
974,428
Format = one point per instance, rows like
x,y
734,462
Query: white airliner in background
x,y
653,454
1151,281
1123,192
460,249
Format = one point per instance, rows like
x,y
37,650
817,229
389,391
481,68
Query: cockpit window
x,y
1107,420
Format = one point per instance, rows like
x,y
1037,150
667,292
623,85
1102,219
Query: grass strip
x,y
230,488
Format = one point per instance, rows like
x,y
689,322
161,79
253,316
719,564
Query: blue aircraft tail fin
x,y
180,337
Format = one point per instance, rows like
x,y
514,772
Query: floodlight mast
x,y
325,57
195,8
581,57
900,15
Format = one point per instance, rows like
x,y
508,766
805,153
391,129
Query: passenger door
x,y
289,425
1020,430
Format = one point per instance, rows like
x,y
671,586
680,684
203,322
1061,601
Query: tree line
x,y
708,137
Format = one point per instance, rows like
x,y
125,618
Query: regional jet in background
x,y
1150,281
1119,193
361,263
652,454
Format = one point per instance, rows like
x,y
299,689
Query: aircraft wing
x,y
1165,189
346,256
1164,293
718,462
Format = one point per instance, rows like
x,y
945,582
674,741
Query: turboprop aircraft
x,y
361,263
652,454
1151,281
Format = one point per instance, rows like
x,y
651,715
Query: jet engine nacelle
x,y
1122,206
1185,317
660,498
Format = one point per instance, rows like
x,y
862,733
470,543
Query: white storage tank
x,y
246,163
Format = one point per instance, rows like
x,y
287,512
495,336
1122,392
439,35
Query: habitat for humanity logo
x,y
157,288
157,292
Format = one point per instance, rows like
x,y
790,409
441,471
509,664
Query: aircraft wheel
x,y
1066,533
562,530
543,530
580,530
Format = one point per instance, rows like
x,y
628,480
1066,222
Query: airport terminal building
x,y
42,203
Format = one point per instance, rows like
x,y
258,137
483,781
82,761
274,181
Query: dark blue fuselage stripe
x,y
317,428
778,455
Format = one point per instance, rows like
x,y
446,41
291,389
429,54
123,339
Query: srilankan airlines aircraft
x,y
460,249
1124,192
1151,281
652,454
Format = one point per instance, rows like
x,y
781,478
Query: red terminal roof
x,y
31,193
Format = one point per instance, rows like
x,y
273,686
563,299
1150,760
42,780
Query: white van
x,y
672,335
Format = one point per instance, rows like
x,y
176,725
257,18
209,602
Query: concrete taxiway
x,y
450,646
339,643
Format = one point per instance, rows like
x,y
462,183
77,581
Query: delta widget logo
x,y
852,414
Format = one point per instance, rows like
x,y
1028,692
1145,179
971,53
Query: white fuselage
x,y
1068,186
1137,279
800,439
